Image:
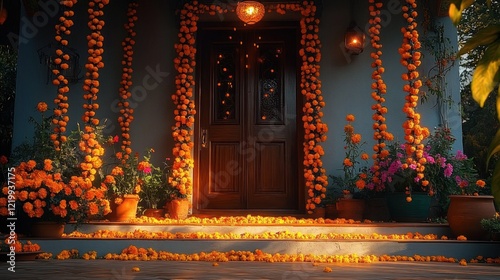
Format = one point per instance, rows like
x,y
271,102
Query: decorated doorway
x,y
248,158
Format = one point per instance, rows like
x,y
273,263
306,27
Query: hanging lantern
x,y
250,12
354,40
3,13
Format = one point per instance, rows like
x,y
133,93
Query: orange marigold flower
x,y
356,138
480,183
350,118
348,162
31,164
47,165
41,107
73,205
365,156
93,208
360,184
117,171
23,195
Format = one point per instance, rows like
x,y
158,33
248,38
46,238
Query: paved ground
x,y
122,270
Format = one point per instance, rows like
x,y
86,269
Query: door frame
x,y
301,192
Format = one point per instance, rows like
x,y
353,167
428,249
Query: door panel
x,y
247,97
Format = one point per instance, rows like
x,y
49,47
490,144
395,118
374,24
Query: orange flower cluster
x,y
68,254
315,176
126,112
268,235
19,246
134,253
61,118
185,111
89,144
379,89
248,220
410,58
42,192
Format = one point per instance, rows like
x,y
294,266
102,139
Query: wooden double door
x,y
247,153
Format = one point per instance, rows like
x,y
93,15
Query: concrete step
x,y
403,247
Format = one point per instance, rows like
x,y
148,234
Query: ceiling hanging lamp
x,y
250,12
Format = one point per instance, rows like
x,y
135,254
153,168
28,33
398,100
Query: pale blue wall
x,y
346,80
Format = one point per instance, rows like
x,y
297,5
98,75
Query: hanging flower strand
x,y
89,143
315,177
184,112
414,133
379,88
126,112
61,118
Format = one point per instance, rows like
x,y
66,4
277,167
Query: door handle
x,y
203,138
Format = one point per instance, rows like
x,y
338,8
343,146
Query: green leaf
x,y
495,185
494,147
485,76
483,37
456,9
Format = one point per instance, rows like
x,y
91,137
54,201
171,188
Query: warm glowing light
x,y
354,40
3,13
250,12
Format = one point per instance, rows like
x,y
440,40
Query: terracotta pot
x,y
178,208
331,211
351,209
126,208
416,211
154,213
318,212
47,229
376,209
466,212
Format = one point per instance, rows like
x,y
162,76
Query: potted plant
x,y
152,187
492,226
348,187
124,186
177,204
49,187
468,207
416,199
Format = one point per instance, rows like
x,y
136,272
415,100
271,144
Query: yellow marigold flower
x,y
136,269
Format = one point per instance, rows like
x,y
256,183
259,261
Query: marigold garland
x,y
134,253
126,112
61,118
379,88
314,129
410,59
89,143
